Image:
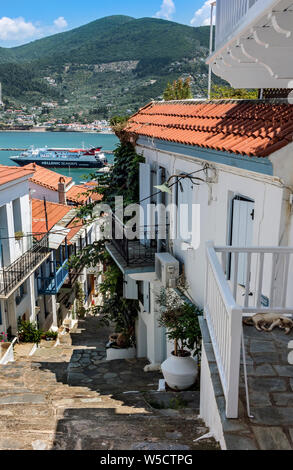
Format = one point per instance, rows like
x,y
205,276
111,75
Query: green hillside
x,y
115,62
113,38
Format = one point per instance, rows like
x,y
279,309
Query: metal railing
x,y
51,285
12,276
143,248
229,15
241,281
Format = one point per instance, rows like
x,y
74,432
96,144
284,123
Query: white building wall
x,y
39,192
214,200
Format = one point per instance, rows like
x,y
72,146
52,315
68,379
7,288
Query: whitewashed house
x,y
241,151
37,238
20,257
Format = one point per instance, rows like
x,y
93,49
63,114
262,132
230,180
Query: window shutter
x,y
146,296
242,233
130,288
145,190
185,197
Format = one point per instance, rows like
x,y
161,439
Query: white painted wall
x,y
39,192
214,200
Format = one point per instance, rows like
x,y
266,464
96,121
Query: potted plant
x,y
180,318
19,236
4,344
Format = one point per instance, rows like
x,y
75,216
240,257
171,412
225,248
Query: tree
x,y
179,90
226,93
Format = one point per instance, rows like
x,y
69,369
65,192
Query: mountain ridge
x,y
111,65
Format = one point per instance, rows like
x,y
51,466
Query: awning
x,y
57,236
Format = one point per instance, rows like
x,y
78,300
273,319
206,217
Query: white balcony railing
x,y
230,14
264,274
224,319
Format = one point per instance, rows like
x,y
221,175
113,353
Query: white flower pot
x,y
180,373
114,354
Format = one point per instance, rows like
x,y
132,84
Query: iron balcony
x,y
14,275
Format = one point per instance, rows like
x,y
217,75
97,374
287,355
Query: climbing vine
x,y
123,180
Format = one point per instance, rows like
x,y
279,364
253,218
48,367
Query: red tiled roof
x,y
47,178
12,173
76,226
253,128
79,193
55,212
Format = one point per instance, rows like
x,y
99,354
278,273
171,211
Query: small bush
x,y
50,335
28,332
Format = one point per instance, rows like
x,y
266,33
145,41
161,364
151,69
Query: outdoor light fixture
x,y
165,188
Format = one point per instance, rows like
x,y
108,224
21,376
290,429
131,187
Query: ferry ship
x,y
62,157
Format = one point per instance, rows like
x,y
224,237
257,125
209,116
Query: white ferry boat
x,y
62,157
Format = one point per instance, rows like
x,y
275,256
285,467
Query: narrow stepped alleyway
x,y
69,398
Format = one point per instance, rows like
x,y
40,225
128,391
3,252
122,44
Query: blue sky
x,y
23,21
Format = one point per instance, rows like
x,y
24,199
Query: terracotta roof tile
x,y
253,128
80,193
47,178
55,212
12,173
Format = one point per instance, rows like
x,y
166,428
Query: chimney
x,y
62,191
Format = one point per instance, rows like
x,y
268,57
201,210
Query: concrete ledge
x,y
232,434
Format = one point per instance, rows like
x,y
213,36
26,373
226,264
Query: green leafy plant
x,y
29,332
114,309
3,337
180,318
19,235
178,90
79,294
227,93
50,335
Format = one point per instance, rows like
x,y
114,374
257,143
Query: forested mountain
x,y
114,62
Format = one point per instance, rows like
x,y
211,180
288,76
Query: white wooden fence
x,y
267,271
224,319
9,355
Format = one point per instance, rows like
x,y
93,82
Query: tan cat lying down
x,y
268,321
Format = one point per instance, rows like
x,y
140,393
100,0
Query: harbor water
x,y
24,140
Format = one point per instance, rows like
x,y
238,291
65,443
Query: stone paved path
x,y
69,398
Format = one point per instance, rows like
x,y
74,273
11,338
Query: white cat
x,y
152,368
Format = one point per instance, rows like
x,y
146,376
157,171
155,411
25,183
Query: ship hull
x,y
56,164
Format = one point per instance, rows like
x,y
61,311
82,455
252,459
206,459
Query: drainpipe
x,y
213,4
62,191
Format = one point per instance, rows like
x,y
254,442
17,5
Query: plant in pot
x,y
4,344
180,318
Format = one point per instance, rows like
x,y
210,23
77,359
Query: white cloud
x,y
202,17
18,30
167,10
60,22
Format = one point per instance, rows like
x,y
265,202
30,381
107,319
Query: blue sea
x,y
57,139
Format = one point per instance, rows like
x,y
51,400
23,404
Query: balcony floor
x,y
136,263
270,381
